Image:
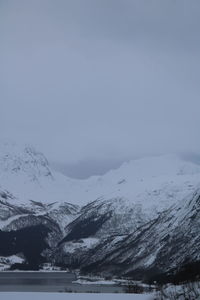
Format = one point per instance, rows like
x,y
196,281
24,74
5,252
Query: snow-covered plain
x,y
62,296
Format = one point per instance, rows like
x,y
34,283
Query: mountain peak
x,y
24,160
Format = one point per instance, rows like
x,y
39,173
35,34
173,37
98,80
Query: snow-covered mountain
x,y
153,181
162,245
84,222
31,195
26,173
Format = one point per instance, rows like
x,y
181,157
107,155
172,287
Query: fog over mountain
x,y
94,83
86,168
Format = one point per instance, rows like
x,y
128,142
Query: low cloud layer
x,y
100,79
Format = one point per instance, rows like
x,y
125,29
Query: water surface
x,y
49,282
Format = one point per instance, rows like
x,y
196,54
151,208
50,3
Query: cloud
x,y
100,79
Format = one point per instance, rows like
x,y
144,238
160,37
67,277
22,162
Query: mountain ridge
x,y
114,209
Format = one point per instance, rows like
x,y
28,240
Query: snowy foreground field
x,y
62,296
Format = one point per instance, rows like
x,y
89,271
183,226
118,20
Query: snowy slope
x,y
153,182
133,194
170,241
110,207
161,245
31,196
127,199
26,173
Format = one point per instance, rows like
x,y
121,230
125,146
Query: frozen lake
x,y
50,282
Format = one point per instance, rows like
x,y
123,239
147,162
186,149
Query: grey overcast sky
x,y
100,80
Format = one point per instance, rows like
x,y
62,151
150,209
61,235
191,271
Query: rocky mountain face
x,y
159,246
24,163
138,220
26,211
30,229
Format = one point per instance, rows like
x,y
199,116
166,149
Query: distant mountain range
x,y
139,220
